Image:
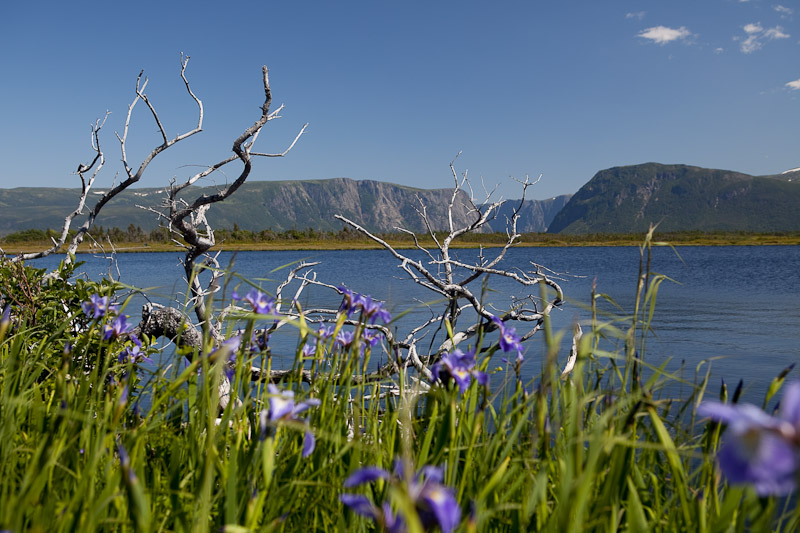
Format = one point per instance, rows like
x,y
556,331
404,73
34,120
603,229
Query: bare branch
x,y
573,353
86,187
457,295
185,219
131,178
281,154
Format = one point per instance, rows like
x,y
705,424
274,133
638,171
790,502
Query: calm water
x,y
737,305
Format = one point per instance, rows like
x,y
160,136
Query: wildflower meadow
x,y
101,432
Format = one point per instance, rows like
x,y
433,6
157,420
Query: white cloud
x,y
784,11
794,85
663,35
750,45
776,33
753,27
638,15
718,50
756,35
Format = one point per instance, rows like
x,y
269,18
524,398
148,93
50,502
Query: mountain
x,y
681,197
276,205
786,175
535,215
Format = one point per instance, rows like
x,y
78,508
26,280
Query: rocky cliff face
x,y
375,205
535,215
280,206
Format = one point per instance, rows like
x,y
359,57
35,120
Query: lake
x,y
737,305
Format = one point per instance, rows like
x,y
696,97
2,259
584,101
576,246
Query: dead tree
x,y
185,219
196,242
440,272
455,280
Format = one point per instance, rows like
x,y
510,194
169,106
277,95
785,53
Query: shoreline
x,y
325,244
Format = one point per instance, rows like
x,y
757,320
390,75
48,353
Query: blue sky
x,y
394,90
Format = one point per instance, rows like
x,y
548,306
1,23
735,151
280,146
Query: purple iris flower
x,y
382,314
226,349
230,369
134,353
259,341
119,326
760,449
509,340
461,367
360,300
382,515
125,463
348,300
282,407
345,338
260,302
371,310
368,474
97,306
325,332
435,504
6,319
374,310
308,350
371,339
123,397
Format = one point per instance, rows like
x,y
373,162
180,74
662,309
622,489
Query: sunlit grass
x,y
91,443
291,241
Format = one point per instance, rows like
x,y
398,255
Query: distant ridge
x,y
275,205
682,198
535,215
625,199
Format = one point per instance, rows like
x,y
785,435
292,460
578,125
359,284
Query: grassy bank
x,y
95,439
401,241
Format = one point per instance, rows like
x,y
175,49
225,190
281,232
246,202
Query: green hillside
x,y
681,198
617,200
273,205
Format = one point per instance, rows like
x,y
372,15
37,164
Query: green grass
x,y
606,449
26,242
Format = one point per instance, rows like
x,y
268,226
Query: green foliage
x,y
604,449
28,235
679,198
32,235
